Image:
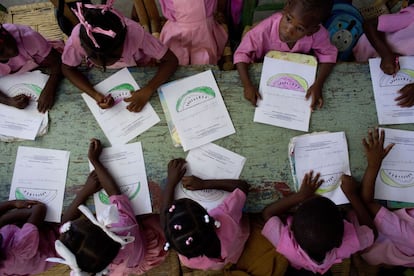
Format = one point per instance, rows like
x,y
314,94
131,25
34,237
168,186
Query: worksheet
x,y
118,123
210,162
284,82
17,124
395,180
197,110
325,153
40,174
126,165
386,89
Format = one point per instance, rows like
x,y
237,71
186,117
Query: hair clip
x,y
65,227
166,246
206,219
189,241
171,208
177,227
217,224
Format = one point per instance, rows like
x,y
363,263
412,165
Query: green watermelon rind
x,y
19,195
301,81
329,188
201,89
408,72
389,181
122,86
37,90
104,198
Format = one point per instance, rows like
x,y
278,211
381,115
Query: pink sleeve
x,y
126,213
234,204
35,44
356,238
73,52
152,47
324,50
273,230
167,8
390,23
26,241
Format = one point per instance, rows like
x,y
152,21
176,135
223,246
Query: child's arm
x,y
81,82
47,98
375,153
324,70
19,101
22,211
168,65
251,93
406,98
229,185
307,190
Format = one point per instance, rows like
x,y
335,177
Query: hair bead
x,y
206,218
177,227
171,208
166,246
217,224
189,241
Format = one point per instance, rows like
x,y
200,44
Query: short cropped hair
x,y
321,9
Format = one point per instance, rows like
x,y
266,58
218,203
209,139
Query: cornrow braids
x,y
190,230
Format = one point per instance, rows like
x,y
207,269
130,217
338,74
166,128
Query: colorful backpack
x,y
345,28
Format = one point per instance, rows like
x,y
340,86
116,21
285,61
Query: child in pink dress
x,y
25,239
297,29
106,38
192,32
395,242
22,50
114,242
204,240
389,36
316,236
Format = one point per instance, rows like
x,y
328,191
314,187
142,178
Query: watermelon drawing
x,y
330,183
403,77
121,91
42,195
194,97
397,178
31,90
131,190
207,195
288,81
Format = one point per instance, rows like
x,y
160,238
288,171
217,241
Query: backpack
x,y
345,28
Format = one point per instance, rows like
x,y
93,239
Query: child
x,y
395,242
115,240
25,240
297,29
316,236
389,36
21,50
204,240
192,32
106,38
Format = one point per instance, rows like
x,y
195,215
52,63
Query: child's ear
x,y
313,30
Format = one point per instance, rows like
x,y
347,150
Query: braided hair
x,y
190,230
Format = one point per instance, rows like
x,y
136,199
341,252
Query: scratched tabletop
x,y
348,106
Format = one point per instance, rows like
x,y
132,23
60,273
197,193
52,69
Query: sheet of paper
x,y
40,174
197,110
324,153
23,123
386,89
126,164
120,125
210,162
283,86
395,180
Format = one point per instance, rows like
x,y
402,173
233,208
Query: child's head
x,y
190,230
318,227
302,18
8,45
102,33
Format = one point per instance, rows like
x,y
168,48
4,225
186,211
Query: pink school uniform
x,y
138,49
25,249
233,234
33,49
265,37
280,235
395,242
146,251
191,31
399,33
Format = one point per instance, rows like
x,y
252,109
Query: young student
x,y
25,239
204,240
192,31
297,29
395,242
21,50
107,39
114,242
316,236
389,36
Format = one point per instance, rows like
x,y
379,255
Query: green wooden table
x,y
349,106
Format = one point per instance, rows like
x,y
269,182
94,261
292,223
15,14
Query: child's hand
x,y
348,185
46,100
406,98
19,101
95,149
92,184
310,184
25,204
374,148
192,183
176,171
105,102
251,93
389,64
138,99
316,92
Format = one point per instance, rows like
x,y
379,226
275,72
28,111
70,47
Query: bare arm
x,y
251,93
229,185
324,70
19,101
22,211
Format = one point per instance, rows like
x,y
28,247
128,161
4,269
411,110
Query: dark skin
x,y
389,60
8,49
295,24
21,211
